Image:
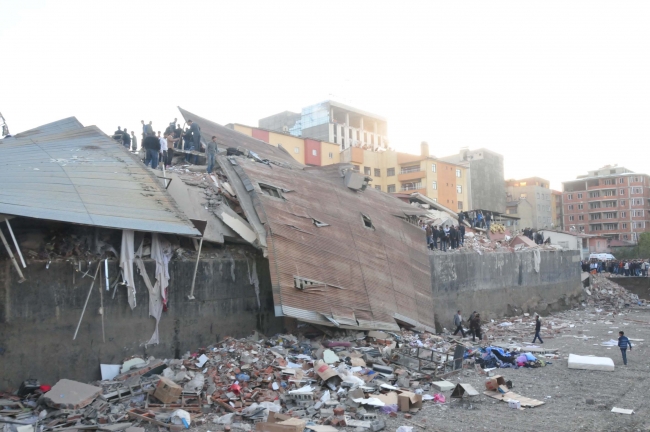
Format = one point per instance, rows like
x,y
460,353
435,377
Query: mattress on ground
x,y
590,363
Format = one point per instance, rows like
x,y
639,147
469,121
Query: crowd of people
x,y
636,267
477,218
444,237
158,148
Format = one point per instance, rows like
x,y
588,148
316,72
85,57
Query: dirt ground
x,y
564,391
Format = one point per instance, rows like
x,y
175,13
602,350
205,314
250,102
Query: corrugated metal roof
x,y
370,277
232,138
66,172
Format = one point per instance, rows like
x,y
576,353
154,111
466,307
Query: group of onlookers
x,y
637,267
159,148
444,237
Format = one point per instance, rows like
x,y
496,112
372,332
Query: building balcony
x,y
410,176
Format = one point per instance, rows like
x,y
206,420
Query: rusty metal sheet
x,y
381,273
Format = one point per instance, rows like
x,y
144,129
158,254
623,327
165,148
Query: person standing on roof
x,y
171,143
134,141
163,149
538,327
126,139
170,127
458,322
435,234
211,153
151,144
623,343
196,134
429,234
461,234
178,133
147,129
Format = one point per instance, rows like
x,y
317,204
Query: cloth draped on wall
x,y
126,264
161,252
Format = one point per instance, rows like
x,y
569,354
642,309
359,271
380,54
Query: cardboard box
x,y
408,400
494,382
514,404
324,370
290,425
167,391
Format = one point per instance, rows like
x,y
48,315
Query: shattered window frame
x,y
264,188
367,222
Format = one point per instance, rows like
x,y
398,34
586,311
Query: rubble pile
x,y
248,384
609,296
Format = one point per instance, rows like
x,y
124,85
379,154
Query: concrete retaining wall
x,y
637,285
502,284
38,317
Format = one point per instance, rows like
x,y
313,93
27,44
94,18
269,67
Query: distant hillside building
x,y
611,201
486,179
535,193
333,122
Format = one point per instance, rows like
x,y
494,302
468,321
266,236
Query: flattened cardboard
x,y
388,398
289,425
324,370
464,390
525,402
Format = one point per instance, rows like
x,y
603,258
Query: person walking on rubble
x,y
538,327
196,134
469,322
475,328
623,343
458,322
211,153
134,141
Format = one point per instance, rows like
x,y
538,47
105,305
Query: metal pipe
x,y
101,307
86,304
106,273
196,267
15,243
13,258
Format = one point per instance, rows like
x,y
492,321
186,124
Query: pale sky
x,y
557,87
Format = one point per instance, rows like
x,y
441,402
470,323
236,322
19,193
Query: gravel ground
x,y
564,391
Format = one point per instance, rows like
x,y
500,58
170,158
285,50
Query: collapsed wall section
x,y
502,284
38,317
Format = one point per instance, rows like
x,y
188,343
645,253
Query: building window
x,y
271,191
391,188
621,191
579,196
331,155
296,150
638,213
570,196
460,205
580,206
638,201
314,153
378,187
581,217
622,202
433,167
459,189
623,214
377,172
624,225
570,218
620,180
457,173
390,172
367,222
570,206
636,190
625,236
434,185
366,170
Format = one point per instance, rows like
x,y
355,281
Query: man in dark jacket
x,y
435,234
178,132
126,139
623,343
538,327
475,328
151,144
452,237
461,234
195,130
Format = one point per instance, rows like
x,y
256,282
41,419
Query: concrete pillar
x,y
347,119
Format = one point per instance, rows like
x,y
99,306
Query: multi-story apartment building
x,y
556,210
307,151
394,172
333,122
530,200
611,201
486,179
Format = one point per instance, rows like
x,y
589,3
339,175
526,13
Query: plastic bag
x,y
225,419
439,398
196,384
387,409
181,417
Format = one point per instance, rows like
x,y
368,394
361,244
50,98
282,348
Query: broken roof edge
x,y
318,318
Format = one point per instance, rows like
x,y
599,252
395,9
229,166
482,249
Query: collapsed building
x,y
265,243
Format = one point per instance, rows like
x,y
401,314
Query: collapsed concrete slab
x,y
69,394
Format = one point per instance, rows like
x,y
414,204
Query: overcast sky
x,y
558,88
